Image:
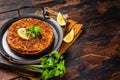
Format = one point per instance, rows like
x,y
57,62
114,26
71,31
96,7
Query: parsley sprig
x,y
51,66
34,31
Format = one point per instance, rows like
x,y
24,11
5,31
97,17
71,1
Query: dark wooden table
x,y
95,55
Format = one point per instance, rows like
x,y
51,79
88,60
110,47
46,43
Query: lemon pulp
x,y
69,37
60,19
23,33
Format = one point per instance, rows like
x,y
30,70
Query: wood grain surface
x,y
95,55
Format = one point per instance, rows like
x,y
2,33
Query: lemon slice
x,y
60,19
23,33
69,37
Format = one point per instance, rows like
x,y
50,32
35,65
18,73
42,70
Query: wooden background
x,y
95,55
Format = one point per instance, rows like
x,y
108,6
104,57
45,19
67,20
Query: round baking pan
x,y
12,56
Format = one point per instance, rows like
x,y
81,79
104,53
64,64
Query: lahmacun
x,y
32,46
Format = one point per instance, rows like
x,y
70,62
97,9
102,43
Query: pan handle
x,y
44,12
13,60
5,55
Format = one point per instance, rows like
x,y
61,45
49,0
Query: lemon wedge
x,y
69,37
60,19
23,33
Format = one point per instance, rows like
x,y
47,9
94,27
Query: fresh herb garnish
x,y
34,31
50,66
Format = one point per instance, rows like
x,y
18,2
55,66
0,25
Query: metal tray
x,y
11,55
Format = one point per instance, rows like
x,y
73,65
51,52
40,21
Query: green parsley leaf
x,y
43,61
33,35
50,62
34,31
56,72
31,28
45,74
37,30
55,54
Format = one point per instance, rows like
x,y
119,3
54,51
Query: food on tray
x,y
26,42
69,37
60,19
